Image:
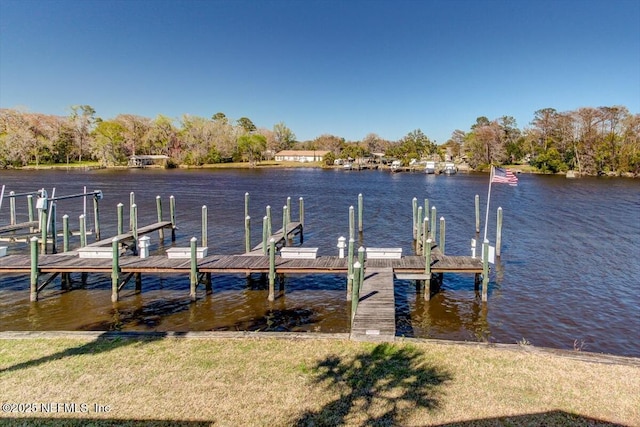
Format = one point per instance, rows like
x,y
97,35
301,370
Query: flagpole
x,y
486,218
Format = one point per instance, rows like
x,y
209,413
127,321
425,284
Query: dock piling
x,y
83,231
54,231
350,275
205,226
442,236
247,234
360,212
194,269
65,233
357,267
427,269
352,227
265,235
30,208
499,232
34,269
433,222
415,218
120,211
115,269
96,216
132,202
272,269
301,213
159,211
12,208
172,213
485,269
285,225
477,200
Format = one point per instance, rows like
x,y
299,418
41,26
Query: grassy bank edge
x,y
308,378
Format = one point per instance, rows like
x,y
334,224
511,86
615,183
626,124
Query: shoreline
x,y
519,169
582,355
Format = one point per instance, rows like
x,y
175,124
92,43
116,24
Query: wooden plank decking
x,y
293,229
375,318
20,226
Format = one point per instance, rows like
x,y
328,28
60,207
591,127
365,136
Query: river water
x,y
569,275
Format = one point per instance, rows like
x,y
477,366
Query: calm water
x,y
569,274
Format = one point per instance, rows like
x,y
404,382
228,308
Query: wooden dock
x,y
375,317
127,239
293,229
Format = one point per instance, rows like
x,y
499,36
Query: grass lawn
x,y
305,382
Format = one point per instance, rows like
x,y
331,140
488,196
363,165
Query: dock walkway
x,y
375,318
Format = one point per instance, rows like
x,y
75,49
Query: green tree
x,y
284,138
246,124
108,143
251,146
83,119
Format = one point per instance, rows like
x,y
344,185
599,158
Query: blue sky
x,y
346,68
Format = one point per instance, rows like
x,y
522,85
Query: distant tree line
x,y
589,140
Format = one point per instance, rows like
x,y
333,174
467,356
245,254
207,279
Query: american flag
x,y
504,176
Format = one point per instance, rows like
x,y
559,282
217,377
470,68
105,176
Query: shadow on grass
x,y
98,422
106,341
379,387
547,419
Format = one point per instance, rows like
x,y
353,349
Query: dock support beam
x,y
34,269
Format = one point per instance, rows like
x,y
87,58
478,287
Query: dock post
x,y
285,225
43,228
12,208
360,211
205,226
159,211
433,222
172,213
31,209
272,269
265,234
246,204
499,232
352,226
485,269
301,219
54,231
194,269
120,210
350,269
83,231
415,218
425,234
418,227
65,233
132,198
477,214
361,260
96,216
247,234
269,230
427,270
357,267
134,224
288,210
34,269
115,269
442,236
